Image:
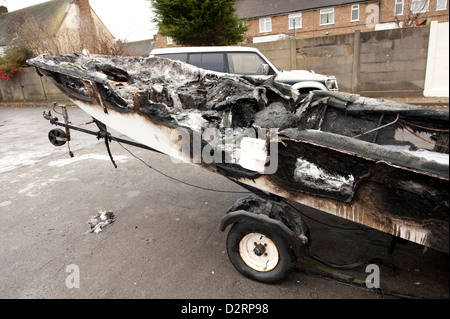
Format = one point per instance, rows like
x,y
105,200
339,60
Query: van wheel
x,y
260,252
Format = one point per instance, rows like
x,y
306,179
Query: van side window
x,y
208,61
213,61
195,59
175,56
246,63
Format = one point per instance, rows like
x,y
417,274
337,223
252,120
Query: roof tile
x,y
52,12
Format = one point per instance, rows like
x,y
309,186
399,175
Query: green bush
x,y
13,61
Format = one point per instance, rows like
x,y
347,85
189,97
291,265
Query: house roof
x,y
261,8
52,12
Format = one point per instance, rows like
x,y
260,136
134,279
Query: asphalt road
x,y
165,242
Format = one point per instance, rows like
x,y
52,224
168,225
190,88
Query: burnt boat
x,y
375,162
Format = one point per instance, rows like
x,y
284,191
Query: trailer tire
x,y
260,252
57,137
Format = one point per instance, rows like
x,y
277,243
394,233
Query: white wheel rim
x,y
258,252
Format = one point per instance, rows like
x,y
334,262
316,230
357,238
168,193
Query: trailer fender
x,y
298,243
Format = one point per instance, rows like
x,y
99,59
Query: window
x,y
175,56
327,16
246,64
208,61
213,61
441,5
419,6
398,7
355,12
195,59
265,25
295,21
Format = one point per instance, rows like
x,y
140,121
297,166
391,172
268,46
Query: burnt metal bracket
x,y
103,133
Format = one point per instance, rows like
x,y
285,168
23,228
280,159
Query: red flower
x,y
9,70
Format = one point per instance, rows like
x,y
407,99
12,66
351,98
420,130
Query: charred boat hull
x,y
339,153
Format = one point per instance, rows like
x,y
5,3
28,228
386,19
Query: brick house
x,y
420,12
71,24
269,20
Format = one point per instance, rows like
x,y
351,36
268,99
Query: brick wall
x,y
388,6
161,41
311,23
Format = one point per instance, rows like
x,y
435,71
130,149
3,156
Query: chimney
x,y
87,24
86,18
3,9
85,7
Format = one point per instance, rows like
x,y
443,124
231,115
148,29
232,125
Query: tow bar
x,y
59,137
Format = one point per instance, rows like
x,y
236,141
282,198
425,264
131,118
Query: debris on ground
x,y
100,221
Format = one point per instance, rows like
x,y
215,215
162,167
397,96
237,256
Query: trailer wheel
x,y
57,137
260,252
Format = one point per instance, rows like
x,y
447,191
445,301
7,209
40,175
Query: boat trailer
x,y
267,235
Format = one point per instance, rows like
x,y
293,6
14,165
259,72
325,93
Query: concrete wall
x,y
331,55
393,60
280,53
29,86
371,63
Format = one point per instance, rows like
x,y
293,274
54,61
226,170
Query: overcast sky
x,y
128,20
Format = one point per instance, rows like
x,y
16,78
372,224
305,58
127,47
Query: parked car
x,y
247,61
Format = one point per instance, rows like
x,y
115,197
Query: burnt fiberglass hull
x,y
378,163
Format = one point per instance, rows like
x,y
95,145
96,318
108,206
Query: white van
x,y
247,61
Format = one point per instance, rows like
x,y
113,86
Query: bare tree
x,y
30,33
408,13
38,37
